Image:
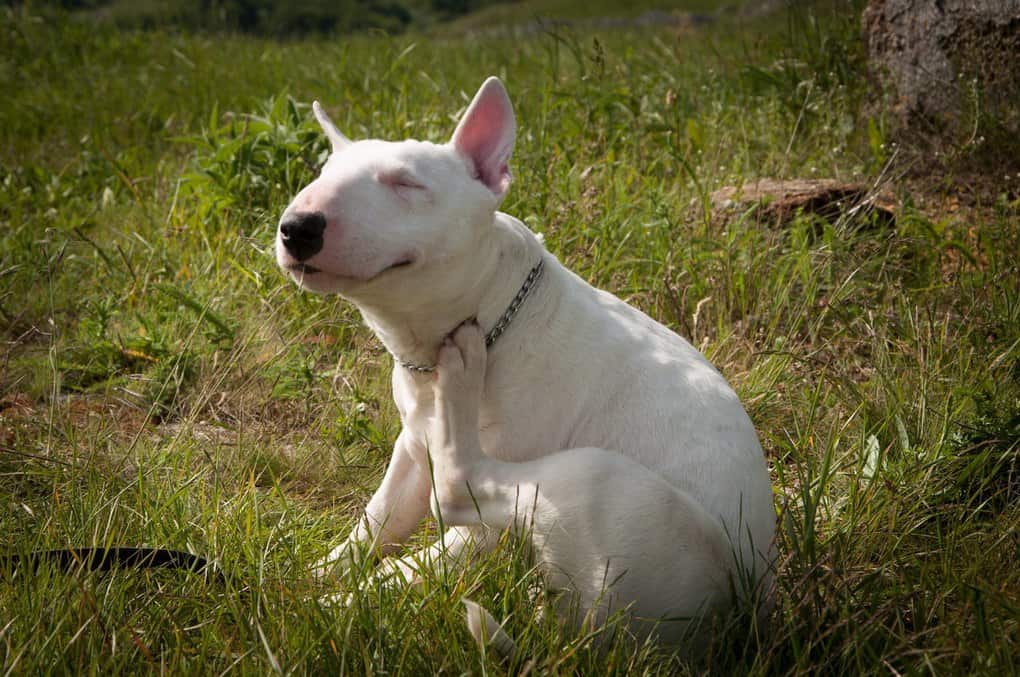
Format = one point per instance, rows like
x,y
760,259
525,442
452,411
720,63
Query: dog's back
x,y
597,372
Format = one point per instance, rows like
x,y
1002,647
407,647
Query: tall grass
x,y
164,385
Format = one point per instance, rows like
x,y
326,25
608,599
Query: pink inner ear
x,y
486,135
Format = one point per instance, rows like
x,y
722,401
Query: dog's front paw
x,y
346,557
391,576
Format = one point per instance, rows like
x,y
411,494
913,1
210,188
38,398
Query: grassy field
x,y
163,384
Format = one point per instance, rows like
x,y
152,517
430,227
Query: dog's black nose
x,y
302,234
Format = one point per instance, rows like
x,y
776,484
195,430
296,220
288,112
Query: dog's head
x,y
393,217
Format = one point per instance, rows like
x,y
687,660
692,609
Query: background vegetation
x,y
163,384
297,18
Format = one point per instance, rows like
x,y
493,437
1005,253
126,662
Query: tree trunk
x,y
947,61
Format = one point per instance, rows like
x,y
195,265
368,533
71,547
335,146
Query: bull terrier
x,y
529,399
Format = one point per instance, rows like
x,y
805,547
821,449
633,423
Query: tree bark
x,y
946,58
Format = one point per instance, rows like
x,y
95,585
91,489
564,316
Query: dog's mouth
x,y
303,269
403,263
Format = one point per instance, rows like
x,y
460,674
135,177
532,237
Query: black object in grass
x,y
105,559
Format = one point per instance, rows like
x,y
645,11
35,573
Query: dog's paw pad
x,y
450,358
470,339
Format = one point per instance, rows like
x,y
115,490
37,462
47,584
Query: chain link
x,y
501,324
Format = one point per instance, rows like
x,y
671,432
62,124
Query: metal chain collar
x,y
501,324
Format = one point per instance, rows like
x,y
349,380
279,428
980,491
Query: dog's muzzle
x,y
301,234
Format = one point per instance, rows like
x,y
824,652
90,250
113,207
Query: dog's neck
x,y
484,291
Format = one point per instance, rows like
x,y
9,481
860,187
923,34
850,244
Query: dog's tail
x,y
487,632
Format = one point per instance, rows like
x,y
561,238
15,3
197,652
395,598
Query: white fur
x,y
640,464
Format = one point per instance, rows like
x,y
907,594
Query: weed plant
x,y
163,384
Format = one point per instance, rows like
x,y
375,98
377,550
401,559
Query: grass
x,y
164,385
521,14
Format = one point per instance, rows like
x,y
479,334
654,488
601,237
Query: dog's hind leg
x,y
468,488
610,531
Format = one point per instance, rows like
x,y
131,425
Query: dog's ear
x,y
336,139
486,134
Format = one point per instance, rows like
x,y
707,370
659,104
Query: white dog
x,y
627,456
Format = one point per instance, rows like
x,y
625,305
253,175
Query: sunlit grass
x,y
164,385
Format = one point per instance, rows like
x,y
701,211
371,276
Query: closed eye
x,y
400,180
